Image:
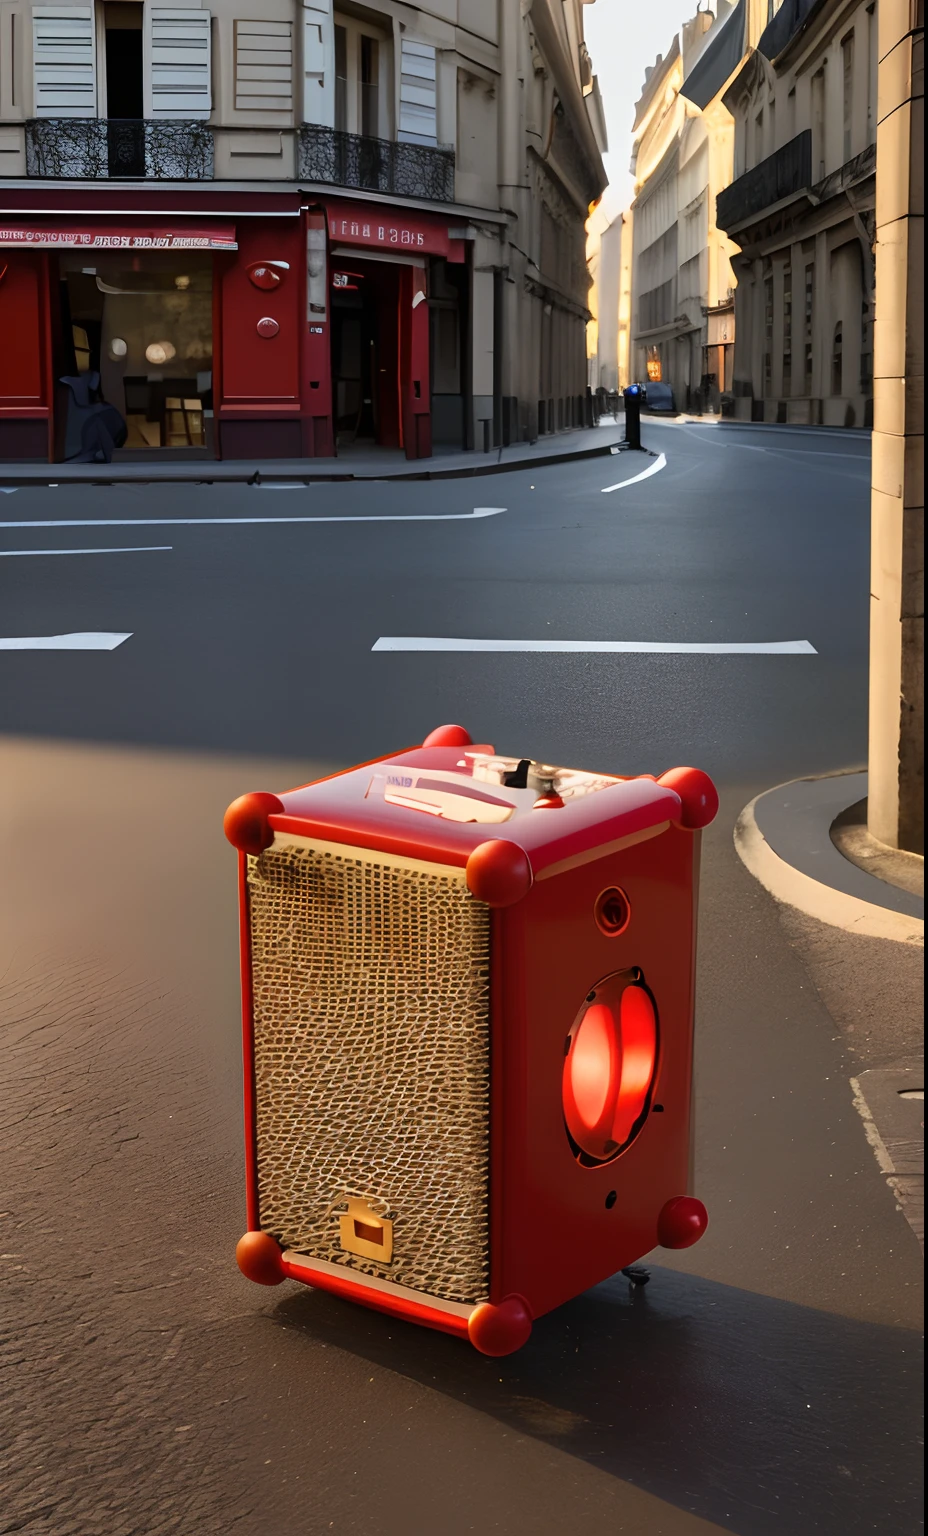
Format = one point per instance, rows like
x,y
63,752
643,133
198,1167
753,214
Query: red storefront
x,y
229,325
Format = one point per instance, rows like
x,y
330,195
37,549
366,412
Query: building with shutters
x,y
682,309
288,230
801,208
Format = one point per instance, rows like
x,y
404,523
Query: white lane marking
x,y
281,485
652,469
130,549
659,647
209,522
87,641
9,490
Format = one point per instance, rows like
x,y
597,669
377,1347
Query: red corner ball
x,y
682,1222
448,736
500,1330
699,797
246,822
259,1258
499,873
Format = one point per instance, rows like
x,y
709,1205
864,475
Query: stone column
x,y
897,642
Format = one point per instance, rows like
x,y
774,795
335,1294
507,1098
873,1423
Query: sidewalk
x,y
855,911
356,464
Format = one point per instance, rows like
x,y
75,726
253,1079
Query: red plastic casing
x,y
556,1227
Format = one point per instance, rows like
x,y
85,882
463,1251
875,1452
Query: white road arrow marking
x,y
88,641
653,469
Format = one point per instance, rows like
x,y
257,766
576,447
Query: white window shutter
x,y
179,62
64,61
418,116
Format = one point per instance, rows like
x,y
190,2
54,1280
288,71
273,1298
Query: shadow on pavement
x,y
754,1413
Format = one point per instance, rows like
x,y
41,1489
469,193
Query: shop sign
x,y
389,230
101,239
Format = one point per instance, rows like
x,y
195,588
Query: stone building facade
x,y
682,308
285,229
801,208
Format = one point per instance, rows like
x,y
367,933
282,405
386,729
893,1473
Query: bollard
x,y
633,415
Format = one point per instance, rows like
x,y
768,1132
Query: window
x,y
123,32
787,330
791,115
871,75
361,57
807,328
818,125
341,79
768,332
847,65
368,87
759,137
837,360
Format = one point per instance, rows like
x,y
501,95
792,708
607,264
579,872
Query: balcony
x,y
337,159
106,149
781,175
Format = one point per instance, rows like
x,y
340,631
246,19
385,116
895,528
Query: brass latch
x,y
365,1233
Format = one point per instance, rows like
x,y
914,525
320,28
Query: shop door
x,y
365,354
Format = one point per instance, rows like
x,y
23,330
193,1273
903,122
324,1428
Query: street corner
x,y
788,839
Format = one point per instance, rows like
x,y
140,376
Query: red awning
x,y
69,234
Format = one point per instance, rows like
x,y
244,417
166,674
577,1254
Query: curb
x,y
792,888
214,473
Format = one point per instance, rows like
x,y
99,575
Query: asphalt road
x,y
767,1380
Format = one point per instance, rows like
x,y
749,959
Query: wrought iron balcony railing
x,y
375,165
99,149
781,175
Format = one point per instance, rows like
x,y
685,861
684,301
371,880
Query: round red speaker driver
x,y
609,1068
267,327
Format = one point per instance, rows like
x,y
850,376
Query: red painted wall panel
x,y
22,306
258,372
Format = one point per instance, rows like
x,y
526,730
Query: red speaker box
x,y
468,1031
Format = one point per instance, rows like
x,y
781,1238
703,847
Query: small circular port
x,y
612,912
611,1199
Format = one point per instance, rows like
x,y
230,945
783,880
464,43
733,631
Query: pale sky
x,y
624,37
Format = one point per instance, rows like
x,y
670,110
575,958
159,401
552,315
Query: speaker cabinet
x,y
468,1031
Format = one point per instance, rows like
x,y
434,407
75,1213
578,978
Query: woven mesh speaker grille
x,y
371,1024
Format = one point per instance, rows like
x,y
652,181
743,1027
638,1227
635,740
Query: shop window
x,y
143,324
